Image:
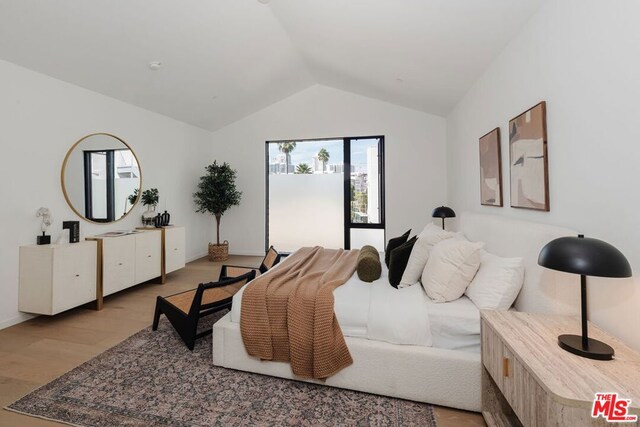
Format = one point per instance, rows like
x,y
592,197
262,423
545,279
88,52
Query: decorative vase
x,y
219,252
149,216
157,221
166,217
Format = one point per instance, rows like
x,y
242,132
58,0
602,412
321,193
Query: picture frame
x,y
491,193
528,160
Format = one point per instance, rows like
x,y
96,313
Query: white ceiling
x,y
225,59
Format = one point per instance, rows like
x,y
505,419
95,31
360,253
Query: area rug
x,y
152,379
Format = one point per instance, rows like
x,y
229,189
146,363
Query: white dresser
x,y
128,260
148,256
125,261
55,278
116,260
173,248
174,242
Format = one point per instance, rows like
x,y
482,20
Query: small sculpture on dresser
x,y
166,217
74,230
157,221
45,214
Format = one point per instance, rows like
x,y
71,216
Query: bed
x,y
393,359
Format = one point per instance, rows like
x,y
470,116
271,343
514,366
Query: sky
x,y
305,150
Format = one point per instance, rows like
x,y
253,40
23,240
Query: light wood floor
x,y
39,350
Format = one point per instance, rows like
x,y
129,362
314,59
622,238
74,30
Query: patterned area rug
x,y
152,379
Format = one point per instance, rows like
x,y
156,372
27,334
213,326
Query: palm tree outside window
x,y
303,168
323,156
286,148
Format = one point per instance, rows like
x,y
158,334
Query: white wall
x,y
414,149
583,58
40,119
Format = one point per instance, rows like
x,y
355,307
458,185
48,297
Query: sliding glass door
x,y
326,192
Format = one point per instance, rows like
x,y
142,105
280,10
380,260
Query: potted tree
x,y
216,194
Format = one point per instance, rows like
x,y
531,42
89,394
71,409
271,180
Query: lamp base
x,y
596,350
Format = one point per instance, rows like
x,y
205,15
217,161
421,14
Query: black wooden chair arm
x,y
230,280
227,271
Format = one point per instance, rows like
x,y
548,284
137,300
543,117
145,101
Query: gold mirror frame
x,y
64,189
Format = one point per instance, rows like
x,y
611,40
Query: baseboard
x,y
15,320
195,257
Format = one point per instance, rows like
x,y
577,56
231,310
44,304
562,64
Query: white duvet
x,y
405,316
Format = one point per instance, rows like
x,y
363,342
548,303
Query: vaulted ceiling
x,y
225,59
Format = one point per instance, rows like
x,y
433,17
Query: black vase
x,y
166,217
157,221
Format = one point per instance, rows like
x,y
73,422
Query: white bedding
x,y
407,316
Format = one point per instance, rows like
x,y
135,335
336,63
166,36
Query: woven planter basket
x,y
219,252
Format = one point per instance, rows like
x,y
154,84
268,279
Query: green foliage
x,y
323,156
133,198
217,192
150,197
303,168
287,148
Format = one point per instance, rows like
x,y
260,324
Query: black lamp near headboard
x,y
586,257
443,212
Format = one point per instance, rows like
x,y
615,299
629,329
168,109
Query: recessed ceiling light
x,y
155,65
399,80
264,1
214,97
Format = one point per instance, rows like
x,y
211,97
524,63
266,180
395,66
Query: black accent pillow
x,y
394,243
398,261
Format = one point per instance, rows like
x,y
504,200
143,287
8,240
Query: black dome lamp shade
x,y
443,212
586,257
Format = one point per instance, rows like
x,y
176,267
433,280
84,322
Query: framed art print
x,y
528,164
490,169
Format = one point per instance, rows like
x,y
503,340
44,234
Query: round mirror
x,y
101,178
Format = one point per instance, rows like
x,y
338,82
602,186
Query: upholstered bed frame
x,y
426,374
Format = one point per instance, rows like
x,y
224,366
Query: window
x,y
110,176
327,192
366,193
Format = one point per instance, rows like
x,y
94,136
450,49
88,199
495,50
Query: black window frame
x,y
111,184
348,224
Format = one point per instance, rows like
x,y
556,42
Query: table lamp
x,y
443,212
586,257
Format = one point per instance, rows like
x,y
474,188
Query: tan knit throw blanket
x,y
287,315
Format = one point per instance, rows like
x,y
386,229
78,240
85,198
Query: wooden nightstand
x,y
529,380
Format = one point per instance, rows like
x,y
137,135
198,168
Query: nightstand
x,y
529,380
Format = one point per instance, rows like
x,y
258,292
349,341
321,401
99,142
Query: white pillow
x,y
497,283
451,267
431,235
